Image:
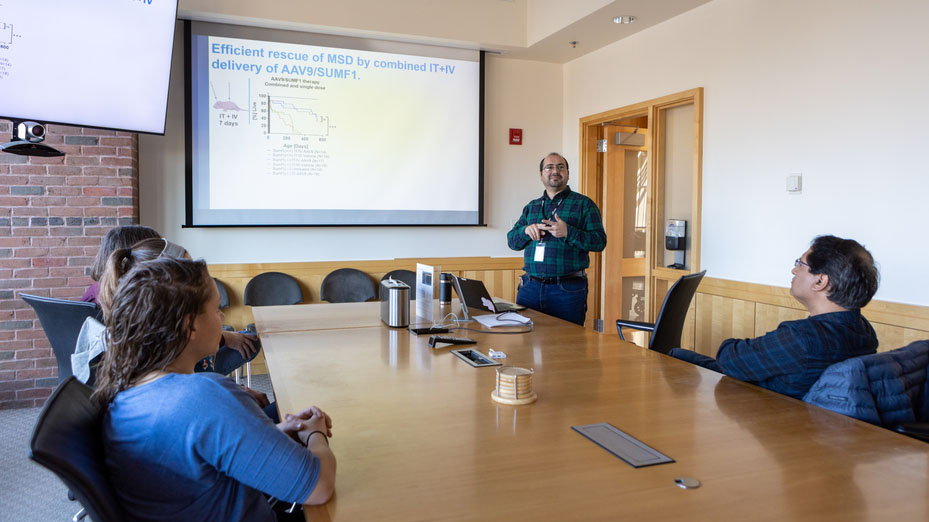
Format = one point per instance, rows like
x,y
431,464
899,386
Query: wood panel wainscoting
x,y
499,274
720,310
724,309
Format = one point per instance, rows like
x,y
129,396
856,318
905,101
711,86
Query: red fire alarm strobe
x,y
516,136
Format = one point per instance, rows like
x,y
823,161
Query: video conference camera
x,y
30,131
27,140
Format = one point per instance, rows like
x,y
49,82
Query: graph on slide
x,y
6,33
295,116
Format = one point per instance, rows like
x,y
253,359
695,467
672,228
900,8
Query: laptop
x,y
474,296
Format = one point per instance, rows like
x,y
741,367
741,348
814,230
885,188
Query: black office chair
x,y
61,320
666,331
269,289
223,301
347,285
273,288
407,276
223,304
68,440
223,294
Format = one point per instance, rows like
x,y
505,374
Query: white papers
x,y
504,319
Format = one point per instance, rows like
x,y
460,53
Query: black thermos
x,y
445,289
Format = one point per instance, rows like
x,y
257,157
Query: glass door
x,y
642,164
625,219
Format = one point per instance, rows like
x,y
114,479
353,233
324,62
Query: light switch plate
x,y
795,183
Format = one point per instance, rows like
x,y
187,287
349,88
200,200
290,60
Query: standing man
x,y
833,280
556,231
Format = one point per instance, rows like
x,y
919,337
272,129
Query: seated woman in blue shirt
x,y
181,445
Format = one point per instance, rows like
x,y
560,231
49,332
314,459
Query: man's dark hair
x,y
853,277
542,162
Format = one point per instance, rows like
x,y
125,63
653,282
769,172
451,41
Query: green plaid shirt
x,y
564,255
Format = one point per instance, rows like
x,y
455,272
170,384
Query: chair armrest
x,y
635,325
917,430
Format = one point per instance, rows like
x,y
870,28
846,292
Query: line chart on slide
x,y
296,116
6,33
7,37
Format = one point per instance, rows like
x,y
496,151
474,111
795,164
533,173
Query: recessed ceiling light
x,y
624,19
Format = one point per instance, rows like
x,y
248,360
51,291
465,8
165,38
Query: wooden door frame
x,y
592,184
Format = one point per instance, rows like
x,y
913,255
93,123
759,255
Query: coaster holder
x,y
514,386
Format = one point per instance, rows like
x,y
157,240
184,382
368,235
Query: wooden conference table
x,y
417,436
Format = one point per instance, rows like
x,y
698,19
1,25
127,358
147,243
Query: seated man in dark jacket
x,y
834,279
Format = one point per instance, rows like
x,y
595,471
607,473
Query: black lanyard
x,y
551,215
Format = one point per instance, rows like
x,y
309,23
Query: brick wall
x,y
53,212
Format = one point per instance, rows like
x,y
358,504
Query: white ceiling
x,y
596,29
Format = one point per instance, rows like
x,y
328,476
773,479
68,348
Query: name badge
x,y
539,252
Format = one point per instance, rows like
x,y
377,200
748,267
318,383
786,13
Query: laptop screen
x,y
473,295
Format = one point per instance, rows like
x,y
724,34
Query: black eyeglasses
x,y
798,262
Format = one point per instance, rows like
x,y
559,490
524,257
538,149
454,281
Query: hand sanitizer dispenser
x,y
675,238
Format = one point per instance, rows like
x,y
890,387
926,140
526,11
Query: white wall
x,y
832,89
679,175
521,94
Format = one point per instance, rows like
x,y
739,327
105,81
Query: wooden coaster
x,y
529,399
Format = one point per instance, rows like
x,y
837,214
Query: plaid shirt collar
x,y
563,194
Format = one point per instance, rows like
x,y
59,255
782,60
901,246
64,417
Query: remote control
x,y
449,340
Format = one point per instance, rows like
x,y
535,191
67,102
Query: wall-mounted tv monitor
x,y
91,63
289,128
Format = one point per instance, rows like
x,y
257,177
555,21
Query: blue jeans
x,y
566,300
225,361
228,360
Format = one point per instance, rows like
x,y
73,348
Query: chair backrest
x,y
273,288
62,320
407,276
223,294
67,439
347,285
670,323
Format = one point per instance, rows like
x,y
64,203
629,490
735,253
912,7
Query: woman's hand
x,y
244,344
301,425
